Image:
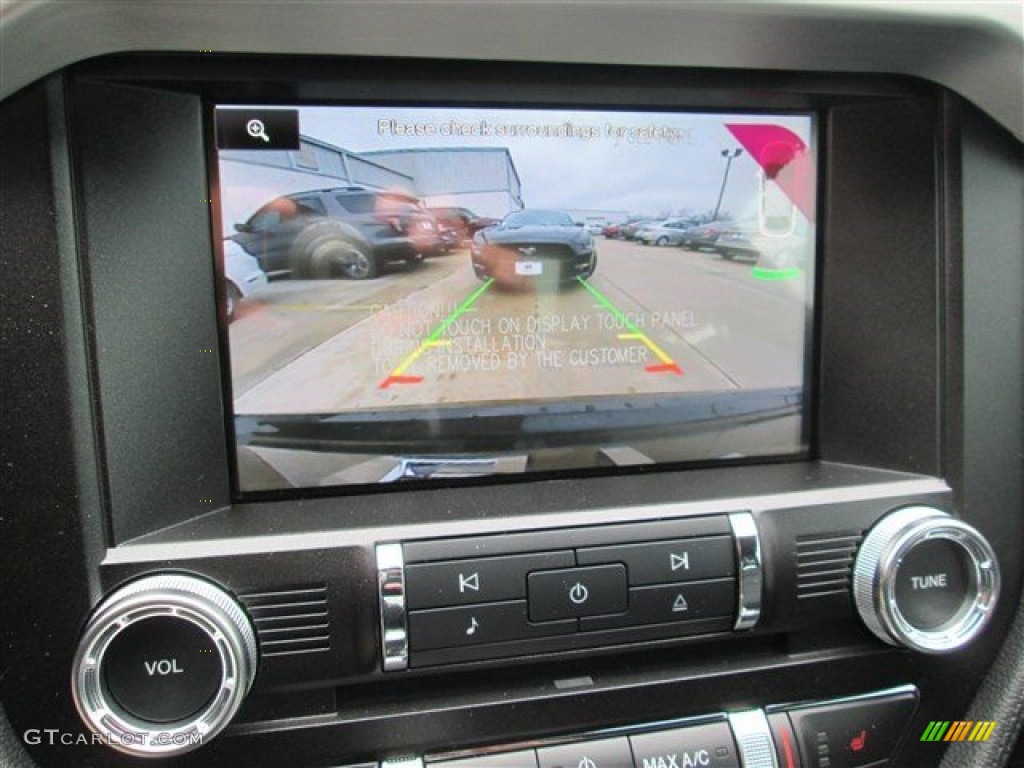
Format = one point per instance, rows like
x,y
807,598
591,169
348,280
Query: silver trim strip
x,y
290,542
394,629
750,569
753,738
885,693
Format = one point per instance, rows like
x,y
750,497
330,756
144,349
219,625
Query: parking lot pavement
x,y
651,320
291,317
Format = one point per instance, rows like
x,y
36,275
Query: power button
x,y
572,592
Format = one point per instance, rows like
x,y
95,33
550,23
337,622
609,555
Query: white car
x,y
242,277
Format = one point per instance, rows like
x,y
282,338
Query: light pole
x,y
729,157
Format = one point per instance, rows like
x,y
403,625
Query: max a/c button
x,y
699,746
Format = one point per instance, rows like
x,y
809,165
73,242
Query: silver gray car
x,y
666,232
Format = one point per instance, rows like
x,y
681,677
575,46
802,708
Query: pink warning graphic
x,y
784,158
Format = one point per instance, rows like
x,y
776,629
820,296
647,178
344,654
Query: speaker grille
x,y
824,563
290,620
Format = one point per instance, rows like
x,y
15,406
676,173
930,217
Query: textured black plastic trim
x,y
145,218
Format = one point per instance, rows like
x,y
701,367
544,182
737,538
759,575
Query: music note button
x,y
477,625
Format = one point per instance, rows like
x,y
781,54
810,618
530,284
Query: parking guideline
x,y
398,375
667,365
763,273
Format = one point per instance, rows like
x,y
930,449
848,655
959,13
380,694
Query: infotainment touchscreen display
x,y
433,294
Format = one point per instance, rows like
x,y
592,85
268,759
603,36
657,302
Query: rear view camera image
x,y
441,293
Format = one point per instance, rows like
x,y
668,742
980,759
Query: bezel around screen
x,y
436,294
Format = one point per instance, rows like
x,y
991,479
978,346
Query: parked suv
x,y
340,232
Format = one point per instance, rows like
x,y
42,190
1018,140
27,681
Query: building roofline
x,y
357,155
422,150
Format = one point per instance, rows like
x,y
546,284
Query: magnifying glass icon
x,y
257,130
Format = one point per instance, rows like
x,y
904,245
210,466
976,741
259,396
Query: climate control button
x,y
850,733
603,753
707,746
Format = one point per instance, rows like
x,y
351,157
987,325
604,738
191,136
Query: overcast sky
x,y
643,163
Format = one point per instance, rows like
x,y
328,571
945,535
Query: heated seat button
x,y
855,733
485,580
661,562
576,592
478,624
707,746
162,669
605,753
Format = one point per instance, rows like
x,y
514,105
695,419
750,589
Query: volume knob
x,y
925,580
163,665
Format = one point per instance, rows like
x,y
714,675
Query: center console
x,y
413,457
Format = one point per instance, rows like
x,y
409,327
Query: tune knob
x,y
925,580
163,665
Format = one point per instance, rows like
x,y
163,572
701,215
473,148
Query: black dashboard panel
x,y
116,448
